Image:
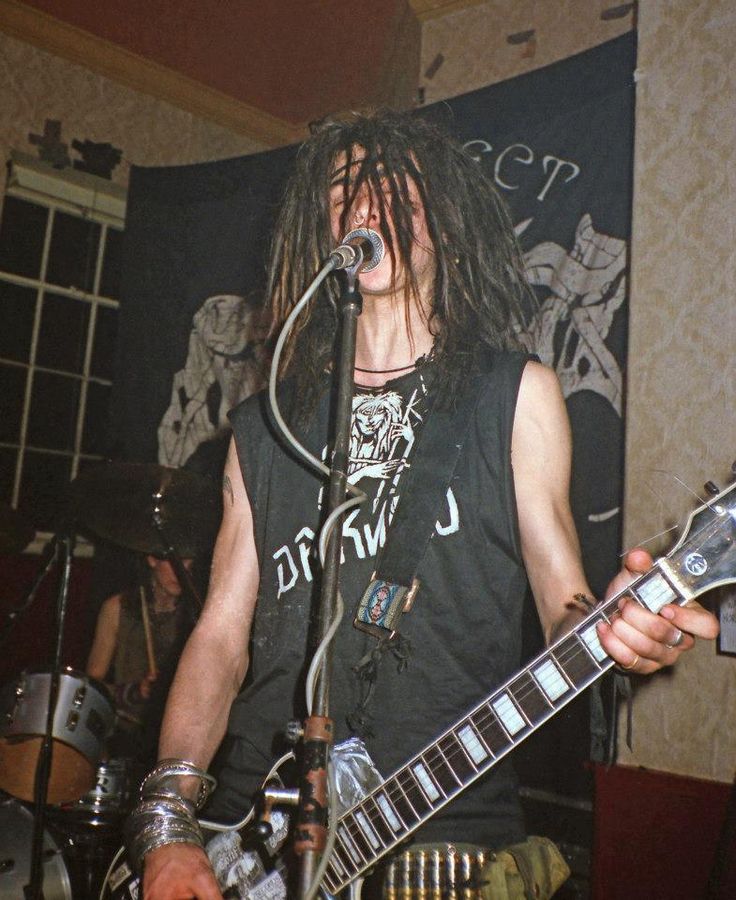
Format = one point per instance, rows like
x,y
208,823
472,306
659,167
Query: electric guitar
x,y
703,558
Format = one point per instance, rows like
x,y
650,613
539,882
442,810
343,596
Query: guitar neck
x,y
474,744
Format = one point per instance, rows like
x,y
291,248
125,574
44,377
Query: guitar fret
x,y
455,754
507,712
550,680
425,782
378,820
490,729
472,743
357,835
590,638
532,702
401,802
654,591
575,660
343,835
367,829
443,772
414,792
391,814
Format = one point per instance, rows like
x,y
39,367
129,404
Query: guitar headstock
x,y
705,555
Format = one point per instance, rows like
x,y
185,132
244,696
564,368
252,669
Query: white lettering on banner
x,y
559,164
552,166
526,160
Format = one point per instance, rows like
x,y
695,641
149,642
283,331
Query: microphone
x,y
362,247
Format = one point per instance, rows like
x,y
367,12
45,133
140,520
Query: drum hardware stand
x,y
311,822
183,574
51,552
65,545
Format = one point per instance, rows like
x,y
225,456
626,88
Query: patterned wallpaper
x,y
473,49
37,86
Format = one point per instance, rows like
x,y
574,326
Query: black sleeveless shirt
x,y
464,628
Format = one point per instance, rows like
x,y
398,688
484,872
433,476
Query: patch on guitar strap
x,y
382,604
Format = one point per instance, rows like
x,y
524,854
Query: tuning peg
x,y
711,488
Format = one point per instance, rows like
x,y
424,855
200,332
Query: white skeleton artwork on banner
x,y
587,286
225,363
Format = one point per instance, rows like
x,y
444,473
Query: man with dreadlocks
x,y
439,313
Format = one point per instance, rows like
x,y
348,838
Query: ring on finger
x,y
632,664
677,641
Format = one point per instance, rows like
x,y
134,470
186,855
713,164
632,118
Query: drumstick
x,y
149,637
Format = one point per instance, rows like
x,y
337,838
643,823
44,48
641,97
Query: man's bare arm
x,y
541,456
215,659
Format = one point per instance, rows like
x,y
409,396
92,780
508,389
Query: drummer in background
x,y
138,639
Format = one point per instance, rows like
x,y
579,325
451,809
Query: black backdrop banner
x,y
558,144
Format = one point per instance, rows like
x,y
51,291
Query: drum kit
x,y
62,801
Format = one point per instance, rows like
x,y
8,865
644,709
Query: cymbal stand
x,y
183,574
51,554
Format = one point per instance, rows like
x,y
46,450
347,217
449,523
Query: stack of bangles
x,y
163,815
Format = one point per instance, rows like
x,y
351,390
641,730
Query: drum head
x,y
16,835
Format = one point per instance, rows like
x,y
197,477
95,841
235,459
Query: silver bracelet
x,y
156,780
160,821
163,815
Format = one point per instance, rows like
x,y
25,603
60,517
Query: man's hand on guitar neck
x,y
178,871
642,642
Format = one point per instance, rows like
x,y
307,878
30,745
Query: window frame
x,y
92,198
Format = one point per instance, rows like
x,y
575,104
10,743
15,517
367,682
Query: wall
x,y
150,132
475,49
682,375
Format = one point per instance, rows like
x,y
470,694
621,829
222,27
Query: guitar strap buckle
x,y
382,604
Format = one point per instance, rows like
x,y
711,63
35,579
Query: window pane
x,y
53,418
17,309
95,437
102,362
22,233
12,393
110,279
7,474
43,488
73,252
62,338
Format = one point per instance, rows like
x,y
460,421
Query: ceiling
x,y
266,67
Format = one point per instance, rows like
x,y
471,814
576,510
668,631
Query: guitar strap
x,y
394,584
432,463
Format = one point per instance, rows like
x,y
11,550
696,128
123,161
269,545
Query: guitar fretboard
x,y
478,741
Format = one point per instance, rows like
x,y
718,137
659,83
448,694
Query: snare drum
x,y
16,835
83,719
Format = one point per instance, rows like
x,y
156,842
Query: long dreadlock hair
x,y
480,295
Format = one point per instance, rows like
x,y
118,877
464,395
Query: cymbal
x,y
16,533
122,503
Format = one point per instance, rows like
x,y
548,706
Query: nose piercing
x,y
358,218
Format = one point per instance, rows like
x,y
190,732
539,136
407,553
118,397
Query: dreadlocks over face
x,y
448,237
365,194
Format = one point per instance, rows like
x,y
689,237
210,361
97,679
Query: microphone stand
x,y
311,822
